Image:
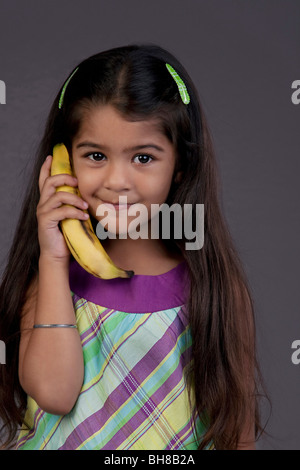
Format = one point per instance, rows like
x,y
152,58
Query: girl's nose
x,y
117,177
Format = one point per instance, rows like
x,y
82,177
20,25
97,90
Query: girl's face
x,y
113,157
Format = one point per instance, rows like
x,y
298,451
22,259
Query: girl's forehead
x,y
105,119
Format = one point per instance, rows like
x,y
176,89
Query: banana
x,y
79,234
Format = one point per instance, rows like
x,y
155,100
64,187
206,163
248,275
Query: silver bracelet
x,y
55,325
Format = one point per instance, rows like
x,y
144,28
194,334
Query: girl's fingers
x,y
50,183
60,198
52,218
46,180
53,205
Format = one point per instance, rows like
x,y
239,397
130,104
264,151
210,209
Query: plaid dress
x,y
136,345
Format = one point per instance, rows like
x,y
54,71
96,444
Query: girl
x,y
166,359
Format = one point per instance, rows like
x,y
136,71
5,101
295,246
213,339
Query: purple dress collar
x,y
139,294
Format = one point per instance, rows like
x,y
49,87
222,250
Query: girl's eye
x,y
95,156
143,158
98,157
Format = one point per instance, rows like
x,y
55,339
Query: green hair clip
x,y
180,83
61,98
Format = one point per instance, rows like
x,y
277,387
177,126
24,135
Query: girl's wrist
x,y
48,261
54,303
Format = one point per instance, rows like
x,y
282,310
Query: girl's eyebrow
x,y
131,149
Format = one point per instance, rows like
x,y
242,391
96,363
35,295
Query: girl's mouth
x,y
117,206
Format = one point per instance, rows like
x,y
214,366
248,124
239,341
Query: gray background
x,y
243,57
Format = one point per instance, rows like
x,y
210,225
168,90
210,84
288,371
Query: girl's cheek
x,y
85,183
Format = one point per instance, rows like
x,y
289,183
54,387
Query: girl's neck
x,y
143,256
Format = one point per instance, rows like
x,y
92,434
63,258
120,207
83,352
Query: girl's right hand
x,y
52,208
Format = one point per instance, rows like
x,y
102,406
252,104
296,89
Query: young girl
x,y
165,359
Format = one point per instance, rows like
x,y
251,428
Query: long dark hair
x,y
134,79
